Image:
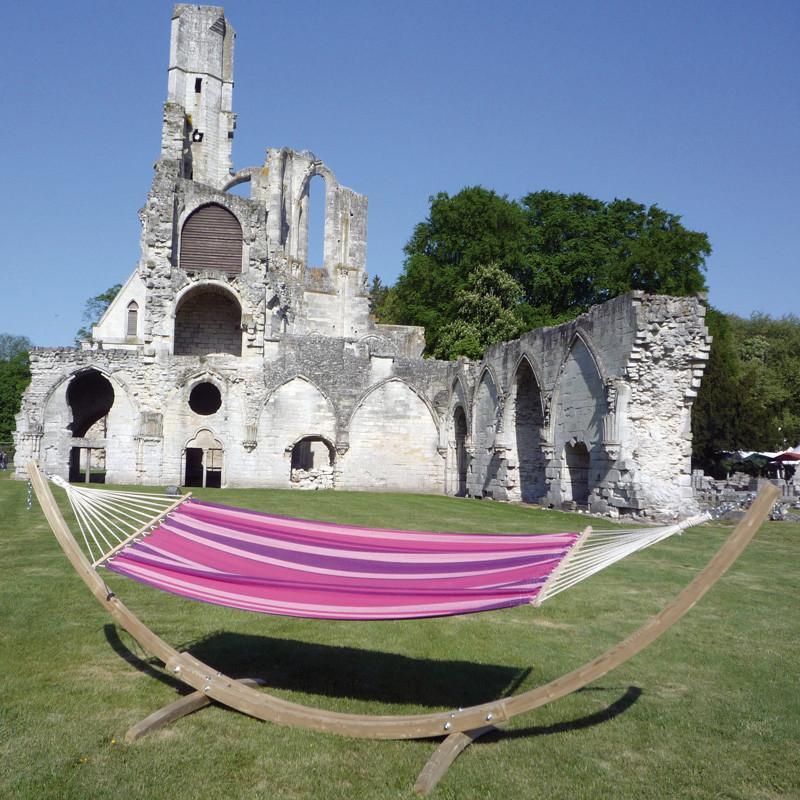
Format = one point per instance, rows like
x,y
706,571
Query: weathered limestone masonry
x,y
228,360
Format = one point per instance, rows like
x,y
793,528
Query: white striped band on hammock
x,y
280,565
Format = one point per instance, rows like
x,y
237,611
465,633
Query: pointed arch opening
x,y
527,426
461,457
132,319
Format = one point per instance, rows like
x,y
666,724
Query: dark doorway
x,y
527,424
460,431
87,465
194,467
576,461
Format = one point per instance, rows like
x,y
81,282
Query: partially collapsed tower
x,y
228,359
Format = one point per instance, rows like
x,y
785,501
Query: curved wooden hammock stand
x,y
460,727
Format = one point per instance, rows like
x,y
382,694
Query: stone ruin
x,y
227,359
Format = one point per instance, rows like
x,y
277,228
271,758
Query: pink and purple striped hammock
x,y
280,565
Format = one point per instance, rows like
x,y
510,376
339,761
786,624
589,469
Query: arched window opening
x,y
132,320
208,320
90,397
315,221
528,422
460,433
205,399
211,239
312,463
576,473
203,461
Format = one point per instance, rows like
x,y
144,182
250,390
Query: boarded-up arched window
x,y
211,239
132,321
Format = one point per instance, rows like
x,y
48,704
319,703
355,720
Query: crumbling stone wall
x,y
595,411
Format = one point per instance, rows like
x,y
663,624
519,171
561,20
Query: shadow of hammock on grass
x,y
368,675
329,671
291,665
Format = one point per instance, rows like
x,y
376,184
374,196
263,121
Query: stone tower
x,y
201,82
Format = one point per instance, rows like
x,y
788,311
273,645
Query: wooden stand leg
x,y
445,755
182,707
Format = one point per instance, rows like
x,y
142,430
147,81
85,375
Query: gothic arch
x,y
297,409
485,423
524,420
393,440
393,379
298,377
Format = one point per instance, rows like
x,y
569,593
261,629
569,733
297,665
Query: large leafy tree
x,y
566,252
471,229
750,395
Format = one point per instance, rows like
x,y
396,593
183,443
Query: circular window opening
x,y
205,399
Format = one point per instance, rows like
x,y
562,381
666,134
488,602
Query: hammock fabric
x,y
278,565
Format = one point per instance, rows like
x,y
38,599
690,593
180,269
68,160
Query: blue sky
x,y
694,106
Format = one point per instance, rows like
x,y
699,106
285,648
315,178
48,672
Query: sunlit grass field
x,y
711,710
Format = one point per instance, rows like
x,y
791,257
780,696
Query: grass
x,y
710,711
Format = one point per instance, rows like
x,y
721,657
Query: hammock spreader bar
x,y
279,565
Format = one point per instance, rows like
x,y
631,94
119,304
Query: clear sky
x,y
694,106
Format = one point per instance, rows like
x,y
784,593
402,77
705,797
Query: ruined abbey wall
x,y
228,360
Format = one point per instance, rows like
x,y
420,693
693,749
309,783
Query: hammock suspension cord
x,y
110,519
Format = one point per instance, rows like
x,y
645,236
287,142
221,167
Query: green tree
x,y
488,312
93,310
750,395
582,251
470,229
15,376
566,252
378,298
715,414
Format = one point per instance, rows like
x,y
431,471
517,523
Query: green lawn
x,y
712,710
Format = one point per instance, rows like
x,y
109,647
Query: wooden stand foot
x,y
182,707
445,755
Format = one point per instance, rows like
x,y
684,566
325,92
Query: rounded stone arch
x,y
393,436
301,213
211,237
207,318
